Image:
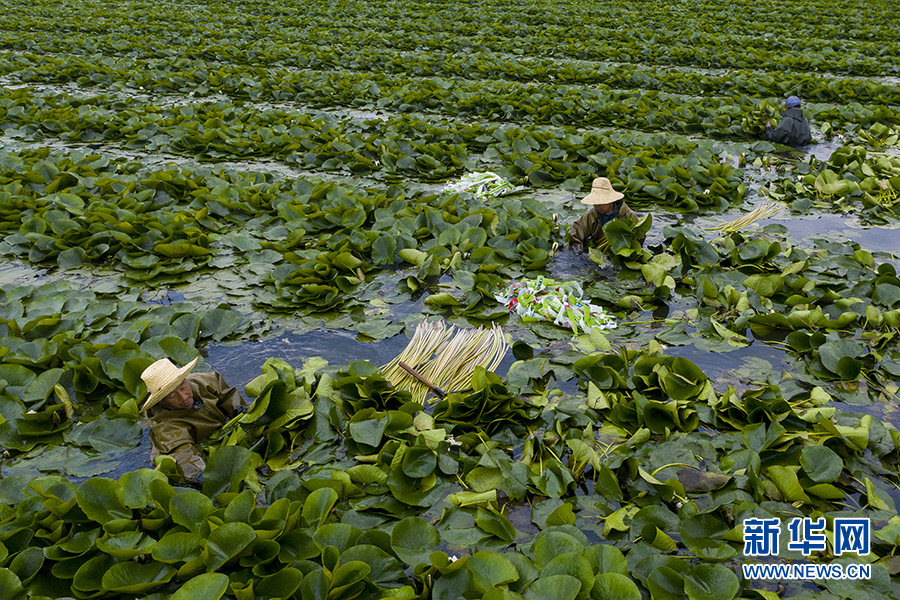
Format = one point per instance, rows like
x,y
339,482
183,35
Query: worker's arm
x,y
174,440
230,401
579,235
189,461
779,135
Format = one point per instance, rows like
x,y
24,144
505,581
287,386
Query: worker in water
x,y
793,130
183,409
605,204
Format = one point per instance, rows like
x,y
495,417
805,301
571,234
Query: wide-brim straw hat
x,y
602,192
163,378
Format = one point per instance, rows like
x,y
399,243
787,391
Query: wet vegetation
x,y
280,168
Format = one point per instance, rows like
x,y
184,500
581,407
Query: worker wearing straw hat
x,y
606,204
183,409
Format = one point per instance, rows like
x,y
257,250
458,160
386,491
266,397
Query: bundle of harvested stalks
x,y
445,357
761,212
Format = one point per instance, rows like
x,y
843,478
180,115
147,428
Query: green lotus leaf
x,y
413,539
208,586
886,294
366,474
685,380
496,524
190,510
442,299
614,586
17,377
136,487
226,470
385,568
177,547
125,545
666,583
489,569
219,323
181,250
89,576
383,249
131,375
170,347
338,535
696,481
318,505
555,587
788,484
418,462
368,431
282,584
501,594
348,575
552,544
27,563
226,542
39,389
572,563
115,435
10,586
821,464
839,357
604,558
103,500
710,582
135,578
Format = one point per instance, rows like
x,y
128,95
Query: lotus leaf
x,y
821,464
413,539
227,468
208,586
190,510
135,578
554,587
102,500
226,542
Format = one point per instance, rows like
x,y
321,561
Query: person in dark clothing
x,y
793,130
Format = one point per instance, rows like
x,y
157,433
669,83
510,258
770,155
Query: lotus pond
x,y
262,185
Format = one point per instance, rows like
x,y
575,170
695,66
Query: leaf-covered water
x,y
263,186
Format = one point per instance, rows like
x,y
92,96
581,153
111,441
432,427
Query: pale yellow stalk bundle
x,y
456,355
761,212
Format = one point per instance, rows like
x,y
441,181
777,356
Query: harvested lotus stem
x,y
426,339
445,357
455,362
761,212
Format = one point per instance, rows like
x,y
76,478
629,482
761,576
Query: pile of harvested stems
x,y
446,357
761,212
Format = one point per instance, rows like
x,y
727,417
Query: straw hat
x,y
162,378
602,192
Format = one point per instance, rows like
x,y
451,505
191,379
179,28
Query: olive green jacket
x,y
588,230
176,432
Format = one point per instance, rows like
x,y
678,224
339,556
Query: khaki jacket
x,y
588,230
176,432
